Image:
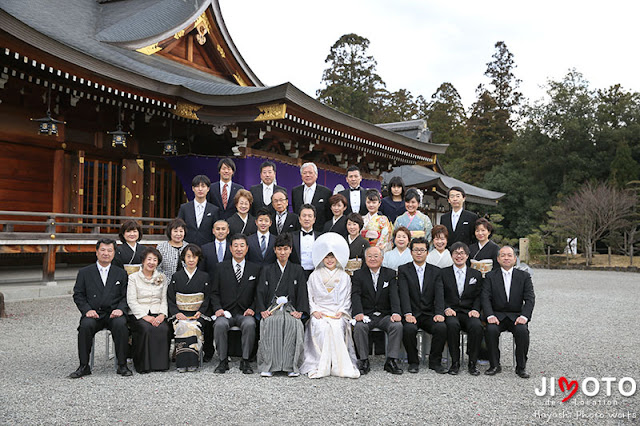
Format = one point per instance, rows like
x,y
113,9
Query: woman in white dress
x,y
328,345
440,257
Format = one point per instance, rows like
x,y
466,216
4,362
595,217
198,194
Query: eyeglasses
x,y
419,250
459,253
279,200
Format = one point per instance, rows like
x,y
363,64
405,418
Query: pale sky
x,y
419,44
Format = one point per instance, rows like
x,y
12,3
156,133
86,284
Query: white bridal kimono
x,y
328,345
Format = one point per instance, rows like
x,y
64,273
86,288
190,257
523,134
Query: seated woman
x,y
338,223
171,250
129,253
242,222
401,253
357,244
439,256
281,300
393,205
188,296
147,300
377,229
417,222
328,344
484,253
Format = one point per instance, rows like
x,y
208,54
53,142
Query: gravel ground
x,y
570,337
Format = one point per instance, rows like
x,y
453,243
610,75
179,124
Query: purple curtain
x,y
248,173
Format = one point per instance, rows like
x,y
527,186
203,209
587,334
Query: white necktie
x,y
267,195
103,275
199,214
374,277
420,271
460,281
506,276
307,195
454,220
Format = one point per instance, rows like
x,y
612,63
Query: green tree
x,y
624,168
446,118
396,106
351,83
504,84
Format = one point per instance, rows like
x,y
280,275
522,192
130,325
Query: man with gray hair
x,y
375,303
312,193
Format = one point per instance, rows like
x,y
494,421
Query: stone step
x,y
24,292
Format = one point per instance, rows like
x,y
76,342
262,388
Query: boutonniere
x,y
472,281
386,284
159,280
252,278
117,282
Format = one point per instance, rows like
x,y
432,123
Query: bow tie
x,y
354,189
304,234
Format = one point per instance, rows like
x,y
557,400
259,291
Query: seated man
x,y
100,293
375,303
281,300
507,301
233,299
422,301
462,290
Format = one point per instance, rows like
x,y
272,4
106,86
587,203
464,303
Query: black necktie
x,y
304,234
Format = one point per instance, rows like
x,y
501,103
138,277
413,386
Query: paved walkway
x,y
584,325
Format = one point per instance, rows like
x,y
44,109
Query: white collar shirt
x,y
104,272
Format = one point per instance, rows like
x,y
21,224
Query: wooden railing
x,y
49,233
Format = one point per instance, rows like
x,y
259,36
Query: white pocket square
x,y
209,214
465,223
252,278
117,282
321,201
472,281
295,282
386,284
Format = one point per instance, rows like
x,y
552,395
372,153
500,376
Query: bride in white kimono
x,y
328,345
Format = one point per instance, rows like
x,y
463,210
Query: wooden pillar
x,y
3,313
49,265
79,192
132,178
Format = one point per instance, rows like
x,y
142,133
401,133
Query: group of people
x,y
312,282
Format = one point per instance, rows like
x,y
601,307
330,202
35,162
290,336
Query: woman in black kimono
x,y
129,252
188,299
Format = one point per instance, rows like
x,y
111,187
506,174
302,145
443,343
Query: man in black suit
x,y
462,301
312,193
198,214
356,195
283,221
303,240
224,191
338,222
100,293
263,191
261,243
422,301
233,301
460,223
507,301
375,303
213,254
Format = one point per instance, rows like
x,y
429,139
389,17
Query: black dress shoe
x,y
123,370
455,369
522,373
83,370
438,369
493,371
363,366
222,367
473,370
392,367
413,368
245,367
207,358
